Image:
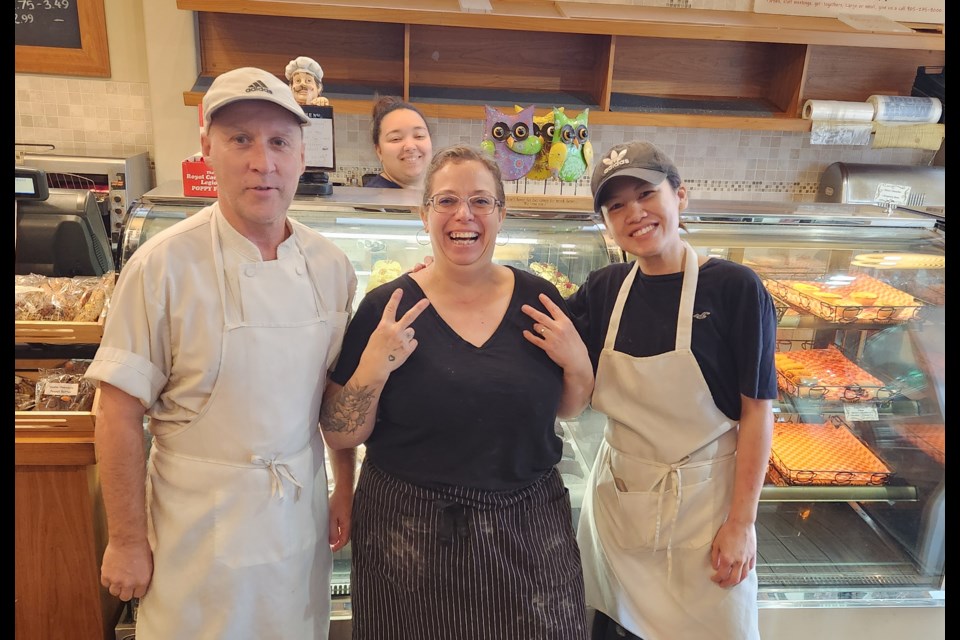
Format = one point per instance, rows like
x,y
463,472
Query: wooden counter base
x,y
59,542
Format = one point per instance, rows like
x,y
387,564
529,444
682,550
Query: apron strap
x,y
691,273
614,327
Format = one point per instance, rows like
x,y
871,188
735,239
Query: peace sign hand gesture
x,y
392,342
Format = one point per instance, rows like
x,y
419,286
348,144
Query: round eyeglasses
x,y
480,205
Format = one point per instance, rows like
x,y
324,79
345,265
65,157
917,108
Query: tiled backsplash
x,y
727,164
83,117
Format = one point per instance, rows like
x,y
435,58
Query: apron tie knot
x,y
673,472
278,471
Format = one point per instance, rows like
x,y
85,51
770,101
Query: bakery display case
x,y
59,520
852,514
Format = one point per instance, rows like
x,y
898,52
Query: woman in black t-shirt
x,y
401,139
453,376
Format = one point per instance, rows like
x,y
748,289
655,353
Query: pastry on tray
x,y
824,454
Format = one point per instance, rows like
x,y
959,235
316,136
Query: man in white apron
x,y
221,330
685,376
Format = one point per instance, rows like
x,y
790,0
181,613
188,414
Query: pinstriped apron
x,y
464,563
658,491
237,498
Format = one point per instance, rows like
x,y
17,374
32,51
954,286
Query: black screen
x,y
62,236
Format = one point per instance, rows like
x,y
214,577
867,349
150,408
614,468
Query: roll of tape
x,y
906,109
838,111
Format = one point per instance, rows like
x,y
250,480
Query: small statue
x,y
305,77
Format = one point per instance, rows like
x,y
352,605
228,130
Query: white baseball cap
x,y
249,83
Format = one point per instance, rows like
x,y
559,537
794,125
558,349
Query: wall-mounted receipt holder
x,y
320,152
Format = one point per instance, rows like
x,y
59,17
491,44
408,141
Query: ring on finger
x,y
543,330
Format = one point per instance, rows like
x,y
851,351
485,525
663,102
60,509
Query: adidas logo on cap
x,y
615,160
259,85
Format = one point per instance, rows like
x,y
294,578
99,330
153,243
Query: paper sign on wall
x,y
926,11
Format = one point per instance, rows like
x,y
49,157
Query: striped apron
x,y
465,563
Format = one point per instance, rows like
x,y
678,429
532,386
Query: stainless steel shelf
x,y
771,493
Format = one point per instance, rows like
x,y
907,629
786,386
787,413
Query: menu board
x,y
47,23
61,37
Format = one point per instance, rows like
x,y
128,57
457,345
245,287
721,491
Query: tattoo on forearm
x,y
348,411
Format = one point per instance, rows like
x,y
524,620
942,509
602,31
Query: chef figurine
x,y
305,77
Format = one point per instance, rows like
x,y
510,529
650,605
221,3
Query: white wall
x,y
172,66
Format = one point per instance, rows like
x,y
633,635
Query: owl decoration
x,y
571,152
509,138
543,129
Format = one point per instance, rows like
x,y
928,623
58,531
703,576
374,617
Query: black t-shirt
x,y
734,326
382,183
456,414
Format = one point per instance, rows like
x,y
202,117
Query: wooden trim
x,y
474,112
56,332
580,17
406,63
787,83
605,90
91,59
34,451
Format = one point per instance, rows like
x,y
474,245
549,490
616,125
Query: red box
x,y
198,178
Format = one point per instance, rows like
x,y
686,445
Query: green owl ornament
x,y
571,153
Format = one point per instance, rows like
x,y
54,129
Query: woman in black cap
x,y
683,351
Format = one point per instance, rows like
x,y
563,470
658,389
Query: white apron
x,y
659,490
237,499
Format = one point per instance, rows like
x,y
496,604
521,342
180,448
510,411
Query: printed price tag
x,y
861,412
61,389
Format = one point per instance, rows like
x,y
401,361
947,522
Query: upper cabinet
x,y
630,65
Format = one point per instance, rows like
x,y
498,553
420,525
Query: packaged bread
x,y
77,299
63,390
25,393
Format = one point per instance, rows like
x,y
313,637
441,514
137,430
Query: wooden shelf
x,y
633,66
592,18
58,332
61,529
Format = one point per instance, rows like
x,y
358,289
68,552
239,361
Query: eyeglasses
x,y
479,205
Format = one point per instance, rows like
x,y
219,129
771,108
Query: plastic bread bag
x,y
62,389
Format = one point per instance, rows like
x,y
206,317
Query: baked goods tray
x,y
823,454
827,374
851,299
58,423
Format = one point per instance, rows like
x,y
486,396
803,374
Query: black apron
x,y
464,563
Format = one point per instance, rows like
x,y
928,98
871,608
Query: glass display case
x,y
853,510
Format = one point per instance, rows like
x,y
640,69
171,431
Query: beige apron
x,y
658,491
238,497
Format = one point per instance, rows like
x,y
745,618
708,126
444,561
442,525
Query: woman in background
x,y
402,141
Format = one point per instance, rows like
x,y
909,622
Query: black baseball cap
x,y
641,160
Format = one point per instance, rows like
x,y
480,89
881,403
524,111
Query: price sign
x,y
860,411
47,23
61,37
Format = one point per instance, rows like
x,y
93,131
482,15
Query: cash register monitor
x,y
32,184
62,236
